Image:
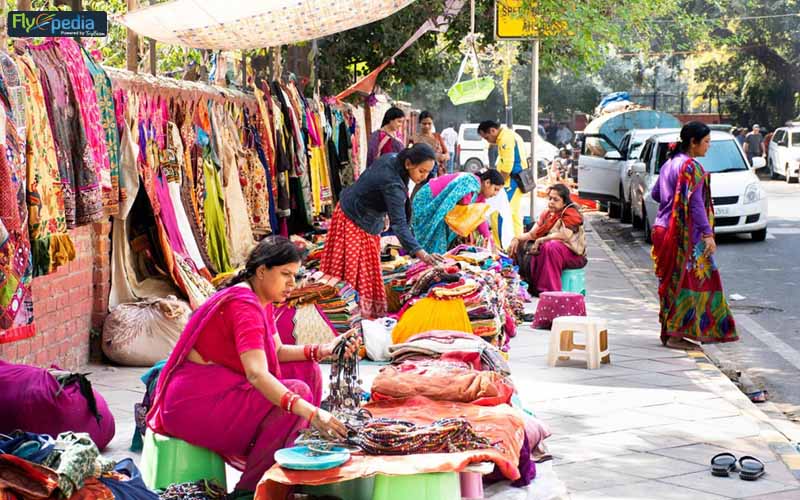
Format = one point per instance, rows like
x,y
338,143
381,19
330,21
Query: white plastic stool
x,y
562,345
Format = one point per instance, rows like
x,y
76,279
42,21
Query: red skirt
x,y
353,255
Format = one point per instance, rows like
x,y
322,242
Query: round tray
x,y
302,458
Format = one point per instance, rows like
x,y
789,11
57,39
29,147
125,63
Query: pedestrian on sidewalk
x,y
426,135
556,242
450,137
693,305
754,144
230,385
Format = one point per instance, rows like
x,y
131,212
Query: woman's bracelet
x,y
313,414
287,400
311,352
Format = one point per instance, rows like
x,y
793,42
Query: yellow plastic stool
x,y
435,486
168,460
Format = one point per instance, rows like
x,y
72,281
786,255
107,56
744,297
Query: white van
x,y
472,152
740,203
783,156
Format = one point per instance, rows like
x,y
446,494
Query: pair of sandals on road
x,y
750,468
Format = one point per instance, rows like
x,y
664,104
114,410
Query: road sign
x,y
516,20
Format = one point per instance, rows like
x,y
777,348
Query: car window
x,y
778,137
623,146
636,148
661,155
722,156
471,134
597,146
795,138
525,134
647,150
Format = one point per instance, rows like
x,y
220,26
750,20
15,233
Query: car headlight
x,y
753,193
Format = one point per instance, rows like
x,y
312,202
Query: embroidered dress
x,y
105,102
16,267
693,304
253,179
83,88
50,244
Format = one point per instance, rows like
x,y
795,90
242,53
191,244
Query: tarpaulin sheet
x,y
248,24
500,424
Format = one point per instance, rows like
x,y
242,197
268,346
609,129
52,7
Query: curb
x,y
781,434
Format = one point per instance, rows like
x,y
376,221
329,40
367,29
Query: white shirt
x,y
450,136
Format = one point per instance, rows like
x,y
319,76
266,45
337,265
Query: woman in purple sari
x,y
225,385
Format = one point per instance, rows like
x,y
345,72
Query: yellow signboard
x,y
516,20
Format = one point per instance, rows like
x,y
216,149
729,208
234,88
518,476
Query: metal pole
x,y
534,118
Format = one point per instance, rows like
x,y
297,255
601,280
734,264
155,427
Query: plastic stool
x,y
471,486
435,486
354,489
168,460
563,346
573,280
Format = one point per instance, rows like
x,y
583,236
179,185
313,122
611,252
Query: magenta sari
x,y
216,408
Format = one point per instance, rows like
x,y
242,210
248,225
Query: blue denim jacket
x,y
382,189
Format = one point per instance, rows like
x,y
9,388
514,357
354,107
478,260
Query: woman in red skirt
x,y
352,250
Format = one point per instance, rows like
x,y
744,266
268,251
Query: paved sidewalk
x,y
643,427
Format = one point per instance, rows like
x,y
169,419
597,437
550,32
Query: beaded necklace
x,y
387,436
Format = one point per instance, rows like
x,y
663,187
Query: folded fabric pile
x,y
337,299
450,345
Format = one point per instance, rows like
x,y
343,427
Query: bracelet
x,y
292,400
287,396
307,351
313,414
314,349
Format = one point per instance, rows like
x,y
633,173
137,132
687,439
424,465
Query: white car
x,y
472,152
740,203
630,147
783,157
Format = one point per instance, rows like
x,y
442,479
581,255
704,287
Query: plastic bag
x,y
378,337
143,333
465,219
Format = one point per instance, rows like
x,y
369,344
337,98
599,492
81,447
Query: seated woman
x,y
222,387
440,195
556,242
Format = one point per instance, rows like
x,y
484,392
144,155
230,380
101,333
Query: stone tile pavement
x,y
643,427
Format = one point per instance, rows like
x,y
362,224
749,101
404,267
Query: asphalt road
x,y
766,274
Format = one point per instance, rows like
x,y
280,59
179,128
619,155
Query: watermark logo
x,y
32,23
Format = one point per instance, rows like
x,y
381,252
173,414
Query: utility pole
x,y
509,101
534,118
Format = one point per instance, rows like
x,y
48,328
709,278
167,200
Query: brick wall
x,y
67,304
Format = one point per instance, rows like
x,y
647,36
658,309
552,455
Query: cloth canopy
x,y
247,24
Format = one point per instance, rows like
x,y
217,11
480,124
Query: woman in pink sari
x,y
224,386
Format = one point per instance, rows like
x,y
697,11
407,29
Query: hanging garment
x,y
105,102
431,314
16,264
51,246
70,133
214,207
253,180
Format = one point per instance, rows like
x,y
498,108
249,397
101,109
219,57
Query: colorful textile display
x,y
337,300
431,314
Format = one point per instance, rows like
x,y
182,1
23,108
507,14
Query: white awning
x,y
250,24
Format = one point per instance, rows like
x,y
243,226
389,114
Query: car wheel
x,y
759,235
648,231
638,221
473,166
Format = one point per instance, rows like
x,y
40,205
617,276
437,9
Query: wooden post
x,y
132,50
152,43
367,116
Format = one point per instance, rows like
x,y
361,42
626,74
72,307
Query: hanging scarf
x,y
197,325
50,242
570,217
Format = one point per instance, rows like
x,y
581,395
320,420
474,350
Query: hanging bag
x,y
526,179
475,90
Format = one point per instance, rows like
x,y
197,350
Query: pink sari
x,y
216,408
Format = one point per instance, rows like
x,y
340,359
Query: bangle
x,y
307,351
287,396
292,400
313,414
315,353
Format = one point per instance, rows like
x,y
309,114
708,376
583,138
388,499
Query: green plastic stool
x,y
436,486
168,460
355,489
573,280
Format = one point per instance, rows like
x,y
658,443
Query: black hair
x,y
272,251
425,114
416,154
492,175
487,125
392,113
562,191
692,131
451,124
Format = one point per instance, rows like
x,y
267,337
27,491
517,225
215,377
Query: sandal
x,y
722,464
752,468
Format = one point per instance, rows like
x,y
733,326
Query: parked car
x,y
608,146
472,152
783,156
740,203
